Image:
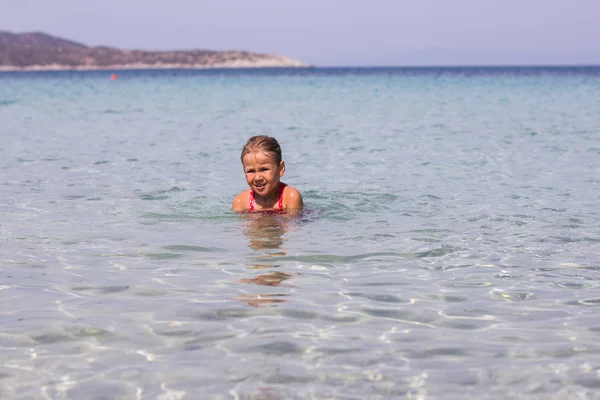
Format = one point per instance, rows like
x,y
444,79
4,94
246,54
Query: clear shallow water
x,y
449,250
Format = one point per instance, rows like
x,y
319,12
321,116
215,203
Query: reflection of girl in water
x,y
266,231
264,167
273,279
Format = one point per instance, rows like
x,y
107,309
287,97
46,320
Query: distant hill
x,y
40,51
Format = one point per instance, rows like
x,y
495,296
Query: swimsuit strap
x,y
282,186
251,197
280,203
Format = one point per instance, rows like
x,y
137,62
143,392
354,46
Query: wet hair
x,y
266,144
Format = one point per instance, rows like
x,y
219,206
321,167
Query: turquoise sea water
x,y
449,249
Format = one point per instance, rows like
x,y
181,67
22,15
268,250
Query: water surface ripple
x,y
449,248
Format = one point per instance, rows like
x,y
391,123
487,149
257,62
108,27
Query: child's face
x,y
262,173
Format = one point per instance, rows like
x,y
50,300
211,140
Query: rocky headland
x,y
40,51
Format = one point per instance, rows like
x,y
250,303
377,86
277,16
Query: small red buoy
x,y
113,77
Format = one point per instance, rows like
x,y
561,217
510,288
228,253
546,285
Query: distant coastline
x,y
270,63
42,52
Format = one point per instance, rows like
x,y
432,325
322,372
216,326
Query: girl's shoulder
x,y
292,198
241,201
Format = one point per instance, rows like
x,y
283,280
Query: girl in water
x,y
263,167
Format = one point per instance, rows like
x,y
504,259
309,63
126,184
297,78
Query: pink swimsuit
x,y
281,187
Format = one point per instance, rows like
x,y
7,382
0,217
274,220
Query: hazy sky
x,y
331,32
